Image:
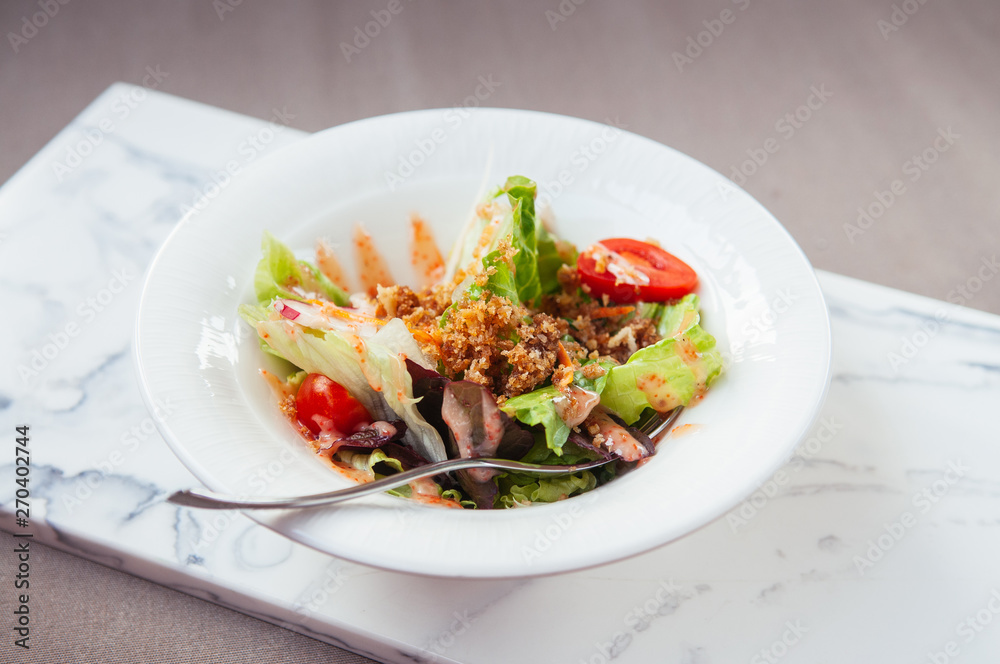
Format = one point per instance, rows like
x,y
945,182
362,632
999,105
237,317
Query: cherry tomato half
x,y
627,264
324,405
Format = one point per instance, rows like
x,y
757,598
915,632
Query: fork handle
x,y
205,499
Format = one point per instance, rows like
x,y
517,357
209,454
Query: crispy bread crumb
x,y
562,376
507,347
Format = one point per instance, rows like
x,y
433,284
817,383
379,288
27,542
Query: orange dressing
x,y
657,392
689,354
685,429
326,261
424,253
616,438
372,269
425,491
280,388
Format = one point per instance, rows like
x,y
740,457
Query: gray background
x,y
890,93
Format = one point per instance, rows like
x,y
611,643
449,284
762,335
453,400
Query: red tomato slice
x,y
324,405
629,270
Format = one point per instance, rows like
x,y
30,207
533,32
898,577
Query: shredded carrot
x,y
610,312
424,337
563,356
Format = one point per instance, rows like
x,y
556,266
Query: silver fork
x,y
651,425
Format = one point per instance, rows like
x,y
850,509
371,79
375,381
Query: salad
x,y
516,346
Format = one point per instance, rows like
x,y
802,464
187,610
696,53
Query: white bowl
x,y
758,292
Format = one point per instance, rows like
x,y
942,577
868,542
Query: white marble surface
x,y
906,446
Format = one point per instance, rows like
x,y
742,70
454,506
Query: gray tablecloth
x,y
870,129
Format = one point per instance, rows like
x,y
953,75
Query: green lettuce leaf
x,y
501,283
570,454
593,384
366,461
538,254
520,490
521,194
663,376
538,408
279,271
458,497
683,320
676,319
549,262
451,494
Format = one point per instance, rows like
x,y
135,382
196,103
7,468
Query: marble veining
x,y
807,569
